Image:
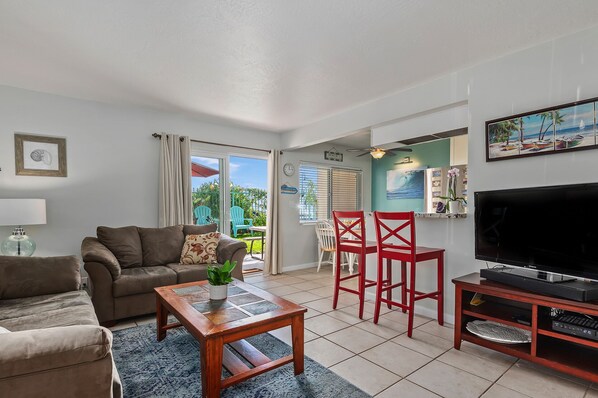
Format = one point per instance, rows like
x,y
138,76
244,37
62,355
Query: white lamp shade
x,y
22,211
377,153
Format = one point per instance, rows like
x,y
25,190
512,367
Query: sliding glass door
x,y
248,193
230,190
209,186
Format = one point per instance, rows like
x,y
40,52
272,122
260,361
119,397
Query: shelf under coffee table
x,y
248,311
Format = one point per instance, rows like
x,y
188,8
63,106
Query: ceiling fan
x,y
378,152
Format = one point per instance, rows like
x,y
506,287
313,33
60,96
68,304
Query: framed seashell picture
x,y
38,155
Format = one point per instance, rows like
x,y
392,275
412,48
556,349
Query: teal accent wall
x,y
433,154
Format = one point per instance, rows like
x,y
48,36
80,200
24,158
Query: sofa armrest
x,y
232,250
36,276
40,350
101,291
92,250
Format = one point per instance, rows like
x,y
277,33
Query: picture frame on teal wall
x,y
405,184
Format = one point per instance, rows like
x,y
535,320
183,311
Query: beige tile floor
x,y
384,362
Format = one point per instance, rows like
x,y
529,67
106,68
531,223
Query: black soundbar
x,y
574,290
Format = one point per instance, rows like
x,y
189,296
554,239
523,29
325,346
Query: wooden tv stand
x,y
563,352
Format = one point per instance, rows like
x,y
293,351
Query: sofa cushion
x,y
124,243
36,276
161,245
200,249
34,351
199,229
38,312
142,280
189,272
50,302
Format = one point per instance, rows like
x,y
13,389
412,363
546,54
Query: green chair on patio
x,y
237,219
203,215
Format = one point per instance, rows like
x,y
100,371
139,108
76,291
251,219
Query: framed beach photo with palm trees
x,y
567,127
537,132
577,127
503,138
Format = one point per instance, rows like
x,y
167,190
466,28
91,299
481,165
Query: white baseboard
x,y
297,267
427,312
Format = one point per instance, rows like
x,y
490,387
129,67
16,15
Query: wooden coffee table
x,y
248,311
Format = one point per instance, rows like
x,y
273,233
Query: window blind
x,y
346,190
323,189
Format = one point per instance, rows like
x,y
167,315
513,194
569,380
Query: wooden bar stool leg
x,y
441,289
389,281
361,284
404,287
337,280
379,283
411,298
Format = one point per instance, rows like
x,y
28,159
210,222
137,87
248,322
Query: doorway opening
x,y
231,191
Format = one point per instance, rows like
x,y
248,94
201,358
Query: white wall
x,y
459,146
112,162
437,94
557,72
452,117
299,240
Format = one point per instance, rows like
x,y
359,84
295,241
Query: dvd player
x,y
576,325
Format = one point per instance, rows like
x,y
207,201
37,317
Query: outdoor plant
x,y
221,275
452,188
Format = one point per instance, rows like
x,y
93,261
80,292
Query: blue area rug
x,y
170,368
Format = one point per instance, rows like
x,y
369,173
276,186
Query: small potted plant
x,y
219,277
453,204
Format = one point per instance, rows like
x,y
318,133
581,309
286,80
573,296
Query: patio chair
x,y
237,219
203,215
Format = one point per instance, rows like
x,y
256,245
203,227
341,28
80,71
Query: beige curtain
x,y
273,256
175,202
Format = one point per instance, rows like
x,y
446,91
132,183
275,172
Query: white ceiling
x,y
270,64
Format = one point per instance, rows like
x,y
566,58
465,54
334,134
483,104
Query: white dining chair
x,y
326,244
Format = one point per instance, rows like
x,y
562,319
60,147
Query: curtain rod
x,y
159,136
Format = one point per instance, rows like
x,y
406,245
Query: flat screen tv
x,y
553,229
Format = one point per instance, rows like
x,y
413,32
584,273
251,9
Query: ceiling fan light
x,y
377,153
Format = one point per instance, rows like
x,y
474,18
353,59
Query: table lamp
x,y
21,212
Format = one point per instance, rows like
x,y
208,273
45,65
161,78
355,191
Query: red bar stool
x,y
404,250
349,229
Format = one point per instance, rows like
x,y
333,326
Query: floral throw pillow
x,y
200,249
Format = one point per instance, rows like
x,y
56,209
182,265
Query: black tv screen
x,y
551,229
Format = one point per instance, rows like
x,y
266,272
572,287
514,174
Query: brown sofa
x,y
126,264
55,347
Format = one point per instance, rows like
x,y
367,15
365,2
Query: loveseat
x,y
54,346
126,264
